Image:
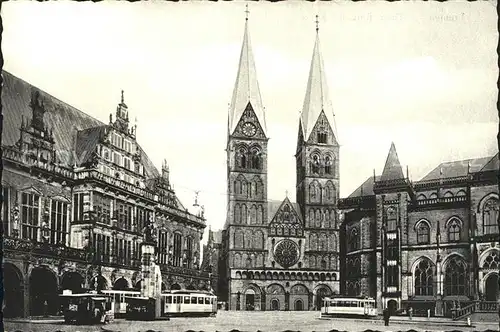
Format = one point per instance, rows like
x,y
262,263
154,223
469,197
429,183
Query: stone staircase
x,y
478,309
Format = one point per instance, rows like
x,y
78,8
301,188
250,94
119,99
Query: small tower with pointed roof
x,y
393,191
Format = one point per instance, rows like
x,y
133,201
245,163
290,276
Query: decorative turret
x,y
165,171
121,121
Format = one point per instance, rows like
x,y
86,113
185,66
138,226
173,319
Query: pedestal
x,y
151,275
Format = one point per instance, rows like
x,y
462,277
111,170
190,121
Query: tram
x,y
188,303
117,299
87,308
349,306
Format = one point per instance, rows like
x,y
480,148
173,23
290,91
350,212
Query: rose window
x,y
286,253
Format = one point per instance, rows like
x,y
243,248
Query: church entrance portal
x,y
13,293
299,305
320,295
275,304
491,287
44,297
250,302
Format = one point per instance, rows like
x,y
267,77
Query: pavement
x,y
272,321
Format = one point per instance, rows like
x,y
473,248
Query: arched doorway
x,y
491,287
121,284
13,299
392,305
72,281
190,287
275,304
298,305
250,299
44,297
175,287
321,293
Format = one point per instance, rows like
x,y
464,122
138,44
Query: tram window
x,y
117,297
187,300
207,300
200,300
193,300
175,299
168,299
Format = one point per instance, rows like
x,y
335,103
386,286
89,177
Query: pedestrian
x,y
428,313
385,314
410,312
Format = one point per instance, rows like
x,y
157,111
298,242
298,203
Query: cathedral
x,y
428,244
281,255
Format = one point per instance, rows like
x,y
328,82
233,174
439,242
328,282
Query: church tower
x,y
317,160
246,171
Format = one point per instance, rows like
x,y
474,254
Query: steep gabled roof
x,y
246,88
458,168
492,165
366,188
273,206
74,131
392,168
86,142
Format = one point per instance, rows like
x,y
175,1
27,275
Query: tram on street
x,y
117,299
86,308
188,303
348,306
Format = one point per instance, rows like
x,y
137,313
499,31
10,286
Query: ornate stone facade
x,y
429,244
78,197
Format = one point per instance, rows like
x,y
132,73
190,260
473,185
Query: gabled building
x,y
76,196
279,255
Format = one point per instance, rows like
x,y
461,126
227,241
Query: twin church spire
x,y
246,88
246,91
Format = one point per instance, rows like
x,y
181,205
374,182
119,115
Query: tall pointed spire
x,y
316,99
392,168
246,88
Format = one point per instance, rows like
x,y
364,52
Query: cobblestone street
x,y
254,321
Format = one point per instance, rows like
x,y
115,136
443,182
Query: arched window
x,y
237,214
242,158
315,164
328,165
490,216
329,191
313,192
453,230
323,264
260,215
491,261
313,241
256,162
253,214
423,276
243,211
354,240
391,219
423,232
455,277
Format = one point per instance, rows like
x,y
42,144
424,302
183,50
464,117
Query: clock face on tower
x,y
249,129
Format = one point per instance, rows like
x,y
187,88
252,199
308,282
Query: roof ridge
x,y
51,96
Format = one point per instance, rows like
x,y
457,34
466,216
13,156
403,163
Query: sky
x,y
419,74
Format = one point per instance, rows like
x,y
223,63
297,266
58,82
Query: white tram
x,y
188,303
348,306
117,298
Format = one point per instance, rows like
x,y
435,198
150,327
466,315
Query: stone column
x,y
151,275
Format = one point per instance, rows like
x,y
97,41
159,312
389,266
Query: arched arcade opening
x,y
13,299
44,295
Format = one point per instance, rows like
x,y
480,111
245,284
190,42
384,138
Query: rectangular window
x,y
5,210
189,249
58,222
177,249
30,216
78,207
